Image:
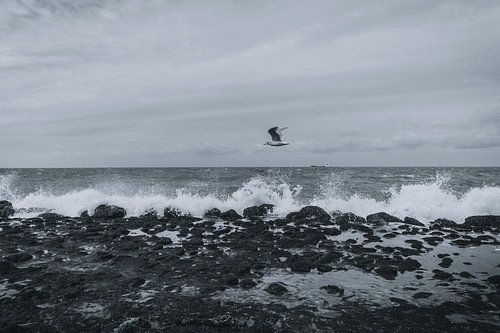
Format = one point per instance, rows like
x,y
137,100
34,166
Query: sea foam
x,y
425,201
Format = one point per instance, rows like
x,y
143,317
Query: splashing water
x,y
425,199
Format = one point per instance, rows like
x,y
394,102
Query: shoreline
x,y
306,272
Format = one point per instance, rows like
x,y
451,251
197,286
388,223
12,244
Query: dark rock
x,y
6,209
213,213
136,282
333,290
495,280
412,221
309,213
6,267
433,240
257,211
150,214
109,212
410,264
300,265
422,295
483,221
230,215
387,272
50,216
381,218
276,289
466,275
134,325
247,283
446,262
441,275
443,223
19,257
85,214
174,213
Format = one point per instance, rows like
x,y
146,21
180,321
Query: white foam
x,y
426,201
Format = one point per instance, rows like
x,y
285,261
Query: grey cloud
x,y
199,83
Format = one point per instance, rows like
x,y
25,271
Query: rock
x,y
495,280
50,216
300,266
446,262
333,290
247,283
483,221
150,214
412,221
310,213
421,295
443,223
345,220
134,325
136,282
257,211
381,218
6,209
19,257
174,213
441,275
230,215
213,213
85,214
276,289
6,267
109,212
387,272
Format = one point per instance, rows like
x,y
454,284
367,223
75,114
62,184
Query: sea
x,y
423,193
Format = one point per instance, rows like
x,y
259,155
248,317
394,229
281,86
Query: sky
x,y
130,83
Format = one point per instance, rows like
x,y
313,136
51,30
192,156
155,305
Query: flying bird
x,y
277,137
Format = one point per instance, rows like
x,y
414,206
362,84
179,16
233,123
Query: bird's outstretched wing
x,y
274,132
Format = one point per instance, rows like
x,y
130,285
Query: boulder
x,y
276,289
483,221
6,209
230,215
381,218
213,213
173,213
412,221
310,213
257,211
109,212
50,216
19,257
443,223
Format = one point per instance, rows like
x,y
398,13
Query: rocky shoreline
x,y
311,271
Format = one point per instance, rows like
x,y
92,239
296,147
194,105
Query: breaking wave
x,y
425,201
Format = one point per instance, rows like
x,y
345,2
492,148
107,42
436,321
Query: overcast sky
x,y
198,83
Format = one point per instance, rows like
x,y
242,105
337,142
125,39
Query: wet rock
x,y
50,216
332,231
483,221
433,240
173,213
441,275
6,267
300,265
309,213
410,264
257,211
150,214
446,262
345,220
466,275
6,209
333,290
19,257
412,221
85,214
387,272
443,223
276,289
136,282
213,213
381,218
495,280
230,215
421,295
109,212
247,283
134,325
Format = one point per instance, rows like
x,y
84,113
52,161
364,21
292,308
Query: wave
x,y
426,201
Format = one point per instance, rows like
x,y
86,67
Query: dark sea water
x,y
423,193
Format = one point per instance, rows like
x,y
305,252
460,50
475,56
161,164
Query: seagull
x,y
276,136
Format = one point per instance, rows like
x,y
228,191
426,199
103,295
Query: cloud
x,y
361,76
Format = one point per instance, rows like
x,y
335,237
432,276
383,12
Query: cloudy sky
x,y
198,83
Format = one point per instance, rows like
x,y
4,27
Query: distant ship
x,y
321,166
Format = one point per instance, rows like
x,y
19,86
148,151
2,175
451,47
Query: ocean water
x,y
422,193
